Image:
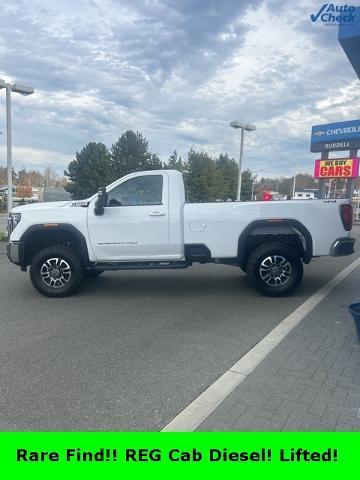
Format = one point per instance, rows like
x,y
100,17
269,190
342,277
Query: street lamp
x,y
243,127
23,89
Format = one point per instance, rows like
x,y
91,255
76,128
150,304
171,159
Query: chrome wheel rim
x,y
275,270
55,272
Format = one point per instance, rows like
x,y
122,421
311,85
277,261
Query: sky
x,y
178,71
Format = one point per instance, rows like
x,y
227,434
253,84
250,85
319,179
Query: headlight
x,y
13,220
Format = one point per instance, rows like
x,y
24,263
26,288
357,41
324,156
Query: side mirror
x,y
101,201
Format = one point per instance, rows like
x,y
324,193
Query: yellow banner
x,y
337,168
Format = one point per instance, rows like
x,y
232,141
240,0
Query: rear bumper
x,y
15,252
342,246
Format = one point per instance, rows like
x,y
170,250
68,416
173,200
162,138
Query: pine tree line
x,y
207,179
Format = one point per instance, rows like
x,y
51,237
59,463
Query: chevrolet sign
x,y
335,136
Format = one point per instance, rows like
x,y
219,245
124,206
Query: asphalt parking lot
x,y
131,349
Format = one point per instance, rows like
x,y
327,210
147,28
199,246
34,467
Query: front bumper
x,y
15,252
342,246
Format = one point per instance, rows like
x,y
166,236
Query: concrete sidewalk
x,y
309,382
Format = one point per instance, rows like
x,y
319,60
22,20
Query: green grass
x,y
2,236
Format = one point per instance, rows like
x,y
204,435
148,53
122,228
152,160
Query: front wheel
x,y
56,271
275,269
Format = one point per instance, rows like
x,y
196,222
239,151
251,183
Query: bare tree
x,y
50,177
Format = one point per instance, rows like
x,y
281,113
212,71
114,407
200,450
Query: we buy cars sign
x,y
337,168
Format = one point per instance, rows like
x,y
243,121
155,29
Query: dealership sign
x,y
337,168
335,136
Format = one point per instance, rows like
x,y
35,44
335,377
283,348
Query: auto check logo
x,y
331,14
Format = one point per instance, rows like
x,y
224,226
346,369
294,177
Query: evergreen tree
x,y
154,163
131,154
229,169
176,163
246,184
90,170
205,182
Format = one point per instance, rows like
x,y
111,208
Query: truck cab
x,y
140,219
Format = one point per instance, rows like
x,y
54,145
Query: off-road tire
x,y
291,277
71,259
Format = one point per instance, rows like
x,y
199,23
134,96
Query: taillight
x,y
346,212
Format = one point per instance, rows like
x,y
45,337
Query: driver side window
x,y
143,190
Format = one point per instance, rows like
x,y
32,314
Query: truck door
x,y
135,224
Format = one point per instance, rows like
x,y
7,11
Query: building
x,y
306,194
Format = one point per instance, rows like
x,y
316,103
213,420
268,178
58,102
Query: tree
x,y
285,185
154,163
24,191
22,177
304,180
131,154
176,163
50,177
205,182
3,175
246,184
90,170
61,182
33,178
229,169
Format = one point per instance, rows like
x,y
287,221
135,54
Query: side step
x,y
139,265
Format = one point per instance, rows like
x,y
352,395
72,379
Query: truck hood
x,y
40,206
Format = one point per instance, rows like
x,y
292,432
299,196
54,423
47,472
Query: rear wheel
x,y
275,269
56,271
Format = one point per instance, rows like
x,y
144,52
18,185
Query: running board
x,y
138,265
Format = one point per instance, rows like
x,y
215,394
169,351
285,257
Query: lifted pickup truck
x,y
142,221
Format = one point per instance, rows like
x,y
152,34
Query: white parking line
x,y
200,408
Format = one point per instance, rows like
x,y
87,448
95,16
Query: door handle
x,y
157,214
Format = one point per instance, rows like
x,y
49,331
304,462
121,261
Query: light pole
x,y
23,89
248,128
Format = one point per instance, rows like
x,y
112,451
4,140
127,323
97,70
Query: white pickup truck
x,y
142,221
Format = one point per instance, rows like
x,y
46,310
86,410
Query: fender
x,y
275,225
54,228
